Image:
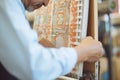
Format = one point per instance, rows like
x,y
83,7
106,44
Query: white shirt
x,y
20,52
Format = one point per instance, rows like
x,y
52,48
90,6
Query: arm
x,y
20,52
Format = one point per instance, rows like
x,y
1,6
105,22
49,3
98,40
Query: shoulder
x,y
12,5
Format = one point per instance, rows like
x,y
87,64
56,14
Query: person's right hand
x,y
89,50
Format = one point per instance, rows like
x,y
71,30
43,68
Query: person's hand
x,y
89,50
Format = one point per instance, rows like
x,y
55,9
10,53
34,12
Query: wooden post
x,y
92,31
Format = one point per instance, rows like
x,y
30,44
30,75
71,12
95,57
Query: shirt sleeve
x,y
20,52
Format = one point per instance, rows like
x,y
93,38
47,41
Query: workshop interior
x,y
69,21
64,23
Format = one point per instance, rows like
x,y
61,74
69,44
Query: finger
x,y
103,52
92,60
100,44
89,37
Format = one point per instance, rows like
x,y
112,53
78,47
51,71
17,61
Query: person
x,y
26,59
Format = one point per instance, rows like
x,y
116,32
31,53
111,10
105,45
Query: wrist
x,y
80,55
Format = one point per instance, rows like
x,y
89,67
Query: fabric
x,y
20,52
61,22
